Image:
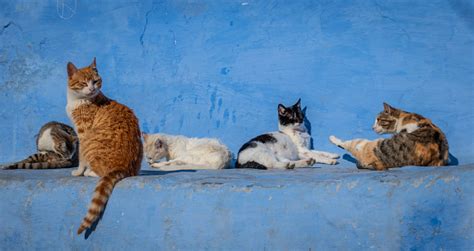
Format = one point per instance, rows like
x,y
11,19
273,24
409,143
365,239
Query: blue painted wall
x,y
219,68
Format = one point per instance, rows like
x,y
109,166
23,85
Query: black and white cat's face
x,y
291,116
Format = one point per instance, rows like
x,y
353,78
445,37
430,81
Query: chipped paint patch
x,y
352,185
417,182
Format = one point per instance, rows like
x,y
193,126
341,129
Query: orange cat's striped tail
x,y
101,196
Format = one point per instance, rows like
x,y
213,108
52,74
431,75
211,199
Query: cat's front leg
x,y
168,163
309,162
325,160
80,169
159,164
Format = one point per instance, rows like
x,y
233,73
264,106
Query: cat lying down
x,y
183,153
416,141
287,148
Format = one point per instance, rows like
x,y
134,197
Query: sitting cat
x,y
416,142
285,149
185,153
57,146
110,142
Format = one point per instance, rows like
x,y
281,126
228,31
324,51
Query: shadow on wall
x,y
453,161
307,124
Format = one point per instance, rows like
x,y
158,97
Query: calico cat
x,y
185,153
57,146
416,142
286,149
109,135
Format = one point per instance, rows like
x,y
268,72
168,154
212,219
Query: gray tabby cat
x,y
57,146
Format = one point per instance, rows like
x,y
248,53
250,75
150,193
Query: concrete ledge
x,y
304,209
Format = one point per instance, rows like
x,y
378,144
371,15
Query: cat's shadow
x,y
160,172
349,158
307,124
453,161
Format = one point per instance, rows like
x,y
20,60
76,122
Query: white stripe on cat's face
x,y
378,129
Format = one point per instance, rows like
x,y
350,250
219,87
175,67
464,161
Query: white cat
x,y
183,153
285,149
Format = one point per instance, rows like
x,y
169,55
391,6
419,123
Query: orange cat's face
x,y
85,82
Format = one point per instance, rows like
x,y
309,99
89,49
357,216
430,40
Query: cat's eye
x,y
95,81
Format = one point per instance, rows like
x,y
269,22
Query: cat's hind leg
x,y
270,161
309,162
318,157
326,154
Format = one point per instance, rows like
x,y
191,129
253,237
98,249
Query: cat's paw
x,y
310,162
333,156
90,173
157,165
335,140
332,162
77,172
290,166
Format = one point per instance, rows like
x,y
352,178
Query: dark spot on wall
x,y
225,71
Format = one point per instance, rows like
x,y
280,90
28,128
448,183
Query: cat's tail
x,y
102,192
39,161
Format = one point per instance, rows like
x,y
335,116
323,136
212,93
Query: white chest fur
x,y
73,102
45,141
300,138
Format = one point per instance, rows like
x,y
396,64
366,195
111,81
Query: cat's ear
x,y
281,109
304,110
158,144
71,69
93,65
298,103
387,108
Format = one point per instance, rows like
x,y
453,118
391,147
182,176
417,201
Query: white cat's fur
x,y
183,153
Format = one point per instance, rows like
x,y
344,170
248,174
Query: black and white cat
x,y
286,149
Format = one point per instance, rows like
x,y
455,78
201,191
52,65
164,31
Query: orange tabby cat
x,y
109,136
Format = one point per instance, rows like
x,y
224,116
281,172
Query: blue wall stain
x,y
225,71
167,59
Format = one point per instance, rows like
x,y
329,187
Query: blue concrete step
x,y
304,209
